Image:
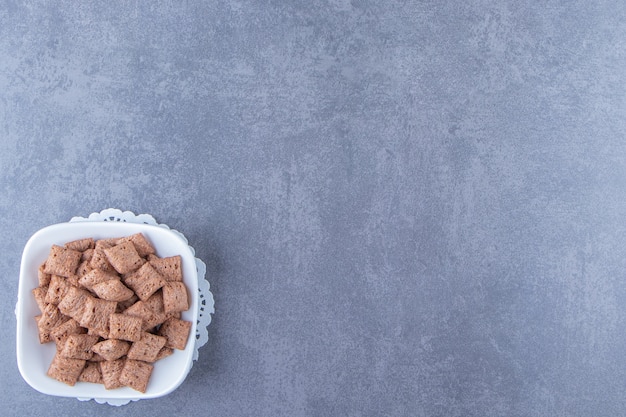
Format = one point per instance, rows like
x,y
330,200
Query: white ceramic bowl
x,y
33,358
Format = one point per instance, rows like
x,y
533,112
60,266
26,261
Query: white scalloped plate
x,y
169,373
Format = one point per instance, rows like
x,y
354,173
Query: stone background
x,y
407,208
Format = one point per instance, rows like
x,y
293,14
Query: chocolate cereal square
x,y
81,245
113,290
66,370
175,297
143,246
170,267
91,373
61,261
111,349
124,257
136,374
111,371
140,309
124,327
78,346
57,289
176,331
60,333
147,348
145,281
96,315
96,276
44,279
73,303
99,259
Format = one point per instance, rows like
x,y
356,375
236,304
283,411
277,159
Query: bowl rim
x,y
46,236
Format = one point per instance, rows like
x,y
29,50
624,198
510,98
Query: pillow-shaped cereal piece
x,y
164,353
96,315
66,370
94,277
149,317
91,373
145,281
73,303
176,331
51,317
83,268
62,261
44,279
60,333
44,334
147,348
143,246
111,371
111,349
124,327
136,374
59,286
124,257
123,305
81,244
99,259
87,255
78,346
113,290
170,267
175,297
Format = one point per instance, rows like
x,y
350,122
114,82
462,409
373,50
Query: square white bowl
x,y
33,358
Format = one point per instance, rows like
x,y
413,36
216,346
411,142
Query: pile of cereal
x,y
113,308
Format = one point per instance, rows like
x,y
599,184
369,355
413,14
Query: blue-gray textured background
x,y
406,208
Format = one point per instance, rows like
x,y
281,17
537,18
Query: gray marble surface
x,y
406,208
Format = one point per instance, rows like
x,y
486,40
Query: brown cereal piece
x,y
59,286
73,303
91,373
51,317
175,297
60,333
124,305
111,371
124,327
164,353
147,348
96,276
44,279
78,346
99,259
149,317
81,245
73,280
136,374
143,246
96,357
124,257
83,268
170,268
111,349
113,290
44,334
96,315
66,370
87,255
176,331
40,297
62,261
145,281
